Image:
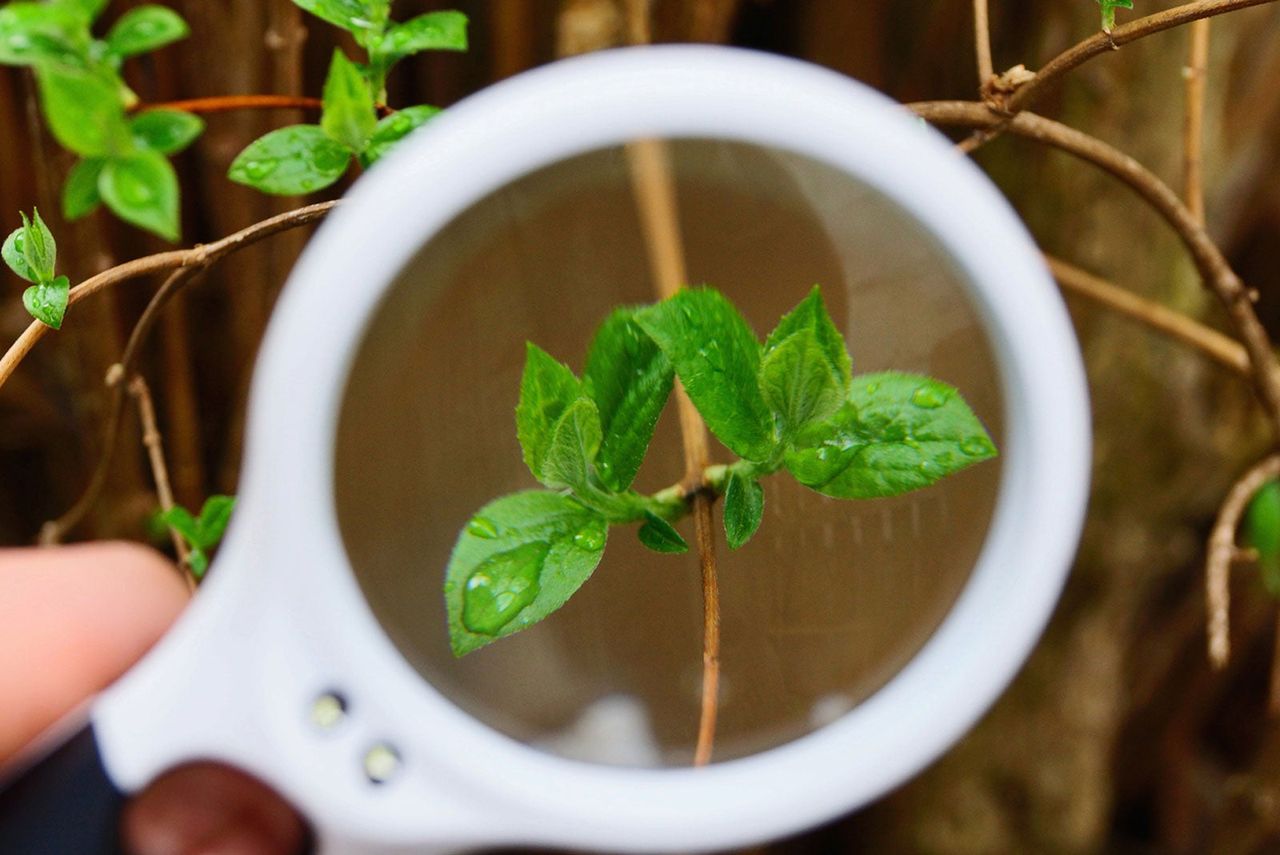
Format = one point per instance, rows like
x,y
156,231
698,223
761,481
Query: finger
x,y
76,618
206,809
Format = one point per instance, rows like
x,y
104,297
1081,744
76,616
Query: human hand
x,y
72,620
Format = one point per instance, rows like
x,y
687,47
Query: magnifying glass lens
x,y
819,610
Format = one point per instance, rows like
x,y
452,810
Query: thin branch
x,y
1221,348
198,257
53,531
1124,34
982,38
155,454
1209,260
232,103
1223,552
1196,70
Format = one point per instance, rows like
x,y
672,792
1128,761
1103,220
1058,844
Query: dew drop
x,y
977,446
259,169
482,527
928,398
501,587
590,538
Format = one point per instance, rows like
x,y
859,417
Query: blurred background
x,y
1116,737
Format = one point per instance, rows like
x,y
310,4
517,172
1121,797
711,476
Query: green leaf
x,y
811,314
15,254
84,110
660,535
180,520
355,16
214,516
547,389
517,561
145,28
574,443
166,131
1109,8
799,383
1262,532
348,104
432,31
717,358
33,33
142,189
630,380
198,561
38,247
393,128
47,301
743,509
291,161
80,194
897,432
88,9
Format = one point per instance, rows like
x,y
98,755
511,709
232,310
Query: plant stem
x,y
230,103
155,454
1193,126
982,40
659,219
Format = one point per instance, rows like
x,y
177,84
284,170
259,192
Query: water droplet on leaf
x,y
590,538
501,587
928,397
977,446
482,527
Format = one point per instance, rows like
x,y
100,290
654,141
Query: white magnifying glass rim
x,y
464,783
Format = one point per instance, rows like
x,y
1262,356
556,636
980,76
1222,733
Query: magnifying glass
x,y
860,639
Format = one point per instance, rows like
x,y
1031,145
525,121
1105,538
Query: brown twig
x,y
155,454
982,39
232,103
1100,42
1223,552
1209,260
53,531
1221,348
199,256
1193,126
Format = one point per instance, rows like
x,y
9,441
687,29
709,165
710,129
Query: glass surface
x,y
828,601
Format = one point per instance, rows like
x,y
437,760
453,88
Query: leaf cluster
x,y
124,159
790,403
304,158
1109,8
31,252
202,533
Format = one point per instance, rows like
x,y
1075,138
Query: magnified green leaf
x,y
547,389
47,301
84,111
348,104
517,561
291,161
145,28
201,533
38,247
1262,532
574,443
80,194
89,9
660,535
799,384
897,432
717,358
142,189
811,314
42,33
433,31
743,509
166,131
355,16
393,128
630,380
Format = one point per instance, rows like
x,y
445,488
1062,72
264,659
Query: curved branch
x,y
1221,348
1209,260
197,256
230,103
1101,42
1223,552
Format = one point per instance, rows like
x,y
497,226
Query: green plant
x,y
30,252
303,158
124,159
202,533
790,404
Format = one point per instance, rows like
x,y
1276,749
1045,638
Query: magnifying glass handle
x,y
63,802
